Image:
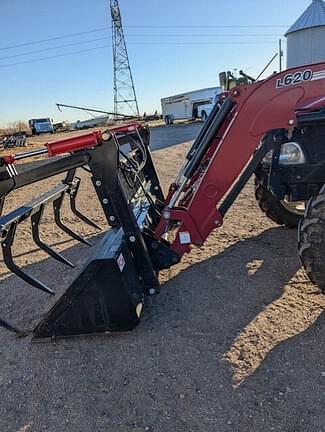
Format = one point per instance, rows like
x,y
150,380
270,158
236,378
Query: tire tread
x,y
311,240
274,209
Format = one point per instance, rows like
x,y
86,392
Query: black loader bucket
x,y
108,294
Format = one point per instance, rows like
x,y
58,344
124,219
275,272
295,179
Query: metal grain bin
x,y
306,37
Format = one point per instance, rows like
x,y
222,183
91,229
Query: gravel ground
x,y
234,342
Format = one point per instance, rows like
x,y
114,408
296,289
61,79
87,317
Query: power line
x,y
52,39
140,43
208,26
206,43
201,34
162,44
69,35
145,43
54,56
54,48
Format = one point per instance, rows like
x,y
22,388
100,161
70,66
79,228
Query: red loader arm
x,y
227,145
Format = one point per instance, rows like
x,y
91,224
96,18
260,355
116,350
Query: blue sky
x,y
164,60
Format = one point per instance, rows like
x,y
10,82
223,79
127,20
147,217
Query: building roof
x,y
314,16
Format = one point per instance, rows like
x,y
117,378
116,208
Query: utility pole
x,y
125,100
280,55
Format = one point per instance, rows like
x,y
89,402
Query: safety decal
x,y
185,237
121,262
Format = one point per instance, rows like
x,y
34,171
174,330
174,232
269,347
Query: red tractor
x,y
274,128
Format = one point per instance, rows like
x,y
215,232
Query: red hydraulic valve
x,y
68,145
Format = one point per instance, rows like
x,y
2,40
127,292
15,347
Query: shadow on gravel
x,y
255,290
243,305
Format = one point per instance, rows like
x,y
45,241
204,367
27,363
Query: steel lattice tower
x,y
125,100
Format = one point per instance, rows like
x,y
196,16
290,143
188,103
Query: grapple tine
x,y
36,219
2,201
57,204
73,195
10,327
7,257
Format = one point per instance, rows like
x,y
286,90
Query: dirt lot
x,y
234,342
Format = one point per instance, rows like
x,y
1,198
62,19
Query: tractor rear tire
x,y
275,209
311,240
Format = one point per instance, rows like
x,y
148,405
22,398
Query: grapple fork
x,y
108,293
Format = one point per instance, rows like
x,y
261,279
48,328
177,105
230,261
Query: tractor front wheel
x,y
311,240
278,211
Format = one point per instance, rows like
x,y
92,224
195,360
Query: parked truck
x,y
190,105
41,125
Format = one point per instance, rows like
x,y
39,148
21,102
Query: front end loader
x,y
148,231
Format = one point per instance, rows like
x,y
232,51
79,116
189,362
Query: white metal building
x,y
306,37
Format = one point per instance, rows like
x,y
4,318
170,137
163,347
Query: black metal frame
x,y
272,141
114,202
131,205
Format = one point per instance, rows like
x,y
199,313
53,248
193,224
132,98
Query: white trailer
x,y
187,105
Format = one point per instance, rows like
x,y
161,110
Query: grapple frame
x,y
108,293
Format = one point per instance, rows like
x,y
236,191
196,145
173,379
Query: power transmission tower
x,y
125,100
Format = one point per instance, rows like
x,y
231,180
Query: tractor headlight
x,y
291,154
